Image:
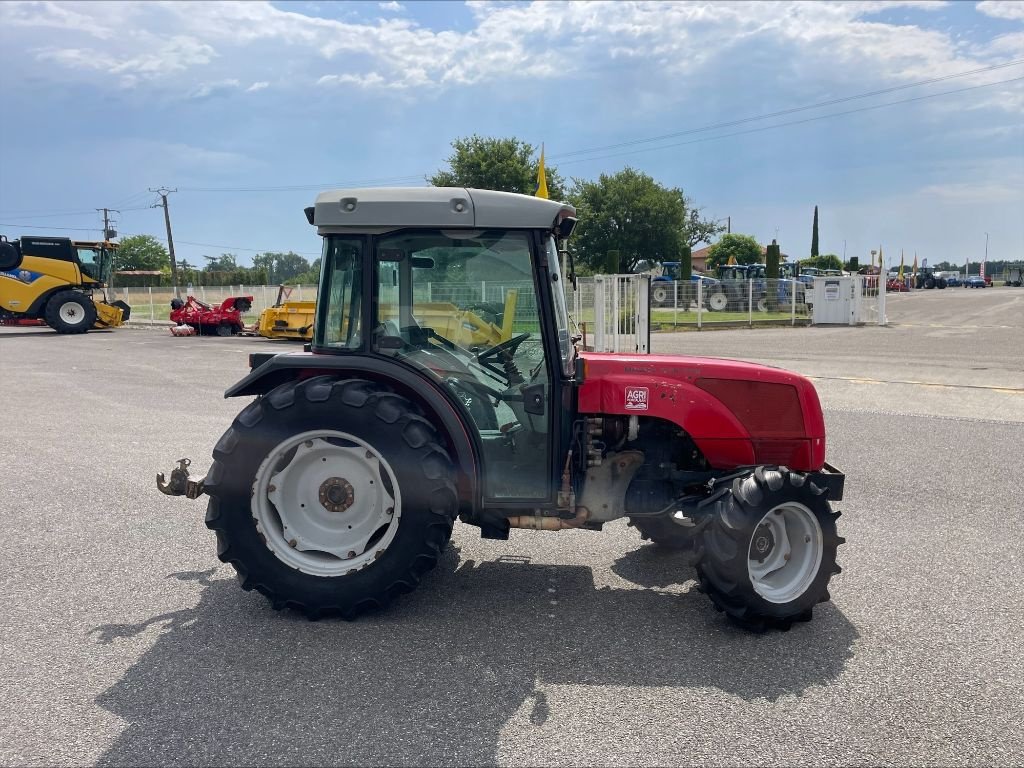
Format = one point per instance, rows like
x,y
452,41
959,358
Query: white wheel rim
x,y
718,301
326,503
785,553
660,294
71,312
762,305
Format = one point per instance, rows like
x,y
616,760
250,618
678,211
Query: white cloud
x,y
1002,9
681,43
206,90
393,5
259,86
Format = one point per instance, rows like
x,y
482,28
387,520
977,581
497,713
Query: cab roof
x,y
380,209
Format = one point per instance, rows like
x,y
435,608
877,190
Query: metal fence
x,y
154,304
728,302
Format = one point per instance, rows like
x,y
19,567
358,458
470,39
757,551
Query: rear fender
x,y
271,371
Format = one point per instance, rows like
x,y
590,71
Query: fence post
x,y
599,314
881,299
675,304
793,309
750,303
152,309
700,302
300,291
483,291
202,290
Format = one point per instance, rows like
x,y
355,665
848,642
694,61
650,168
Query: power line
x,y
62,229
713,126
792,110
239,247
81,213
791,122
306,187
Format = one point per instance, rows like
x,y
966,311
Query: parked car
x,y
974,281
953,280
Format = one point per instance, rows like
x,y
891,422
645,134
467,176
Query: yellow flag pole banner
x,y
900,278
542,179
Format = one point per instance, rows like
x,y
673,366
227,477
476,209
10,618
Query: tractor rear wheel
x,y
770,550
331,496
70,312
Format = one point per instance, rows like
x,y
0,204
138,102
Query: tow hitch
x,y
181,484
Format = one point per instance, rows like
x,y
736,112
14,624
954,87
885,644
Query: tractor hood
x,y
737,413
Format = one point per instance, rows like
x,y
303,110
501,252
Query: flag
x,y
542,180
880,270
731,262
900,278
915,263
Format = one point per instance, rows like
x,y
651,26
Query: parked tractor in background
x,y
206,320
1014,275
927,278
336,488
59,281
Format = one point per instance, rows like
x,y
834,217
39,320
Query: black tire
x,y
664,533
243,305
177,303
729,537
388,422
70,312
10,255
929,283
659,294
225,329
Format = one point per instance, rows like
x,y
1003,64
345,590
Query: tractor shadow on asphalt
x,y
436,678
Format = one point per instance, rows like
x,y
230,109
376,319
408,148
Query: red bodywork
x,y
737,413
199,314
896,286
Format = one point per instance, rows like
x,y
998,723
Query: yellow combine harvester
x,y
55,280
469,327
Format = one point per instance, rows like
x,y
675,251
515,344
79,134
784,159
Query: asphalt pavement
x,y
126,642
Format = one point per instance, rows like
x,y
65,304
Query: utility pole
x,y
108,233
164,192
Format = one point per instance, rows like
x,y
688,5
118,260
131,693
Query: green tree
x,y
142,252
697,229
226,262
814,234
629,212
825,261
508,165
310,277
743,249
281,267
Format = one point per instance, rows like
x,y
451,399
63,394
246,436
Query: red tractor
x,y
225,320
337,486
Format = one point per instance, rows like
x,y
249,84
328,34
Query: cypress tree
x,y
814,234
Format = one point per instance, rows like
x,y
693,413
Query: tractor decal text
x,y
636,398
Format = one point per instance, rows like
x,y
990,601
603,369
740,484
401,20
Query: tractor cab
x,y
420,296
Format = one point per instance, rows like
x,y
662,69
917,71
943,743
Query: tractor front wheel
x,y
770,550
331,496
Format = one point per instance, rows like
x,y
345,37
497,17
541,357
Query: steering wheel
x,y
505,350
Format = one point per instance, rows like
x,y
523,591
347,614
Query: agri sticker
x,y
636,398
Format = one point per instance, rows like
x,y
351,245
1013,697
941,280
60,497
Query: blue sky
x,y
104,100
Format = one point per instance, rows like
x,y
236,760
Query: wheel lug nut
x,y
786,556
807,539
351,555
390,511
293,543
271,488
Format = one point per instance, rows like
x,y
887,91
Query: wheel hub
x,y
336,494
762,543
